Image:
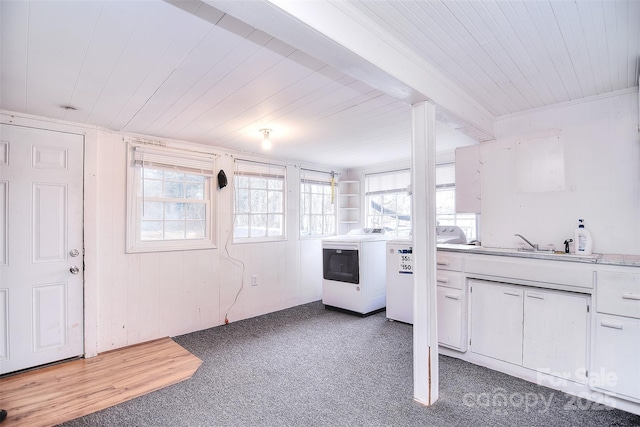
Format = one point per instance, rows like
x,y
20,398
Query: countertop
x,y
605,259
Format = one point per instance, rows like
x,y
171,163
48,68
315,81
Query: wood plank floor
x,y
52,395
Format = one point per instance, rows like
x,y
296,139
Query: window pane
x,y
242,202
196,229
152,173
316,204
152,210
152,188
445,201
174,190
258,182
316,224
258,201
174,230
194,178
328,206
241,226
195,191
195,211
258,225
276,184
329,225
173,176
151,230
174,210
275,225
241,181
275,202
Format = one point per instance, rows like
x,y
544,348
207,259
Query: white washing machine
x,y
400,279
354,271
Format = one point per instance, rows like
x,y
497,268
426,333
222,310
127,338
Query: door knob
x,y
74,269
74,252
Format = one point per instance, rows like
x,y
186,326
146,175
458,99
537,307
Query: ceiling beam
x,y
337,34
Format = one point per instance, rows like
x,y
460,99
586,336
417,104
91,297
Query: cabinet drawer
x,y
446,261
618,293
450,279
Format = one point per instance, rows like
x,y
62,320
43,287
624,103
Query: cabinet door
x,y
555,333
468,182
616,364
496,320
451,319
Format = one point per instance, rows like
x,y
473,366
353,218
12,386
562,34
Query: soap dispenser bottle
x,y
583,241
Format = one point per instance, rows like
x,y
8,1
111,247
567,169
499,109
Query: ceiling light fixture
x,y
266,141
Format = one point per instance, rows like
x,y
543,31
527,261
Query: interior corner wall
x,y
600,181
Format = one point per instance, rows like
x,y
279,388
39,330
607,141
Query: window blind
x,y
199,164
388,182
266,170
446,175
316,177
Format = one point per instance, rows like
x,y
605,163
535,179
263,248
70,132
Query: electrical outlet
x,y
254,280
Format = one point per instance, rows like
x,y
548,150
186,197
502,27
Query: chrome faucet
x,y
534,247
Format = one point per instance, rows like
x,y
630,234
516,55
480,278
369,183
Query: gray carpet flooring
x,y
308,366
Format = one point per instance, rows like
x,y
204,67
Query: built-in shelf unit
x,y
349,202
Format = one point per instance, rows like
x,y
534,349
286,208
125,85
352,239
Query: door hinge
x,y
587,308
470,289
469,341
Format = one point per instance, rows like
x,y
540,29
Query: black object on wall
x,y
222,179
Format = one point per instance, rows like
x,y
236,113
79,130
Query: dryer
x,y
354,271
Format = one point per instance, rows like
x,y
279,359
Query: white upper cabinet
x,y
468,191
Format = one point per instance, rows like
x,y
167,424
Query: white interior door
x,y
41,255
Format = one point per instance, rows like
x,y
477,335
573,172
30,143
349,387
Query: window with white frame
x,y
169,199
388,201
317,204
446,202
259,205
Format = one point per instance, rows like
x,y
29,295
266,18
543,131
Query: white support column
x,y
423,174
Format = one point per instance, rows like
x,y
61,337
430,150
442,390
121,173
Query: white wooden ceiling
x,y
194,73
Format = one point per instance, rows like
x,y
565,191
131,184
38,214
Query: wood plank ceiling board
x,y
491,42
156,88
275,112
147,57
14,21
104,49
229,55
235,92
421,29
478,51
59,36
633,43
192,77
514,56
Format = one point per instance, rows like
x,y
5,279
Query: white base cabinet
x,y
555,333
616,356
615,367
539,329
496,320
451,318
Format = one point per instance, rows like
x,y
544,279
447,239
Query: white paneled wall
x,y
150,295
133,298
601,147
